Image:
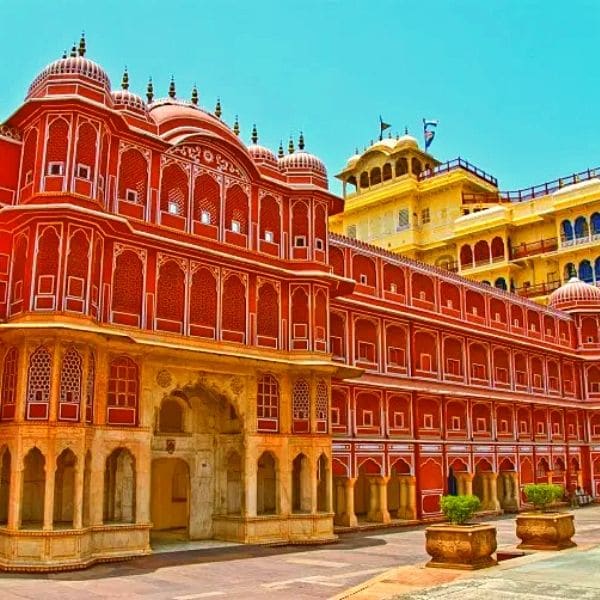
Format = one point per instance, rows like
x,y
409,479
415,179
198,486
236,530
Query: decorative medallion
x,y
170,446
164,378
237,385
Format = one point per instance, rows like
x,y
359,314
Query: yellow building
x,y
453,215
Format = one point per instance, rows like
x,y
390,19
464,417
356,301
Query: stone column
x,y
550,475
50,469
515,490
468,484
348,517
21,386
15,494
384,513
96,500
339,500
101,391
378,510
78,502
143,483
250,483
403,498
411,510
493,492
579,478
373,497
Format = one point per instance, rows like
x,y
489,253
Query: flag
x,y
429,134
382,127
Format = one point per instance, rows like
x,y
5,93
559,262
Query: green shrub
x,y
543,494
459,509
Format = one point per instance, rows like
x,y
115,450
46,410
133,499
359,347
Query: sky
x,y
515,84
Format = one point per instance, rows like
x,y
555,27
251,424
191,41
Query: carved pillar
x,y
493,491
55,382
348,517
384,513
373,497
403,498
468,484
142,466
340,501
579,478
96,500
378,510
78,501
101,391
550,475
21,384
250,483
411,510
15,494
50,469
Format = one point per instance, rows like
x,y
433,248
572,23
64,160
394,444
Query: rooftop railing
x,y
539,289
458,163
536,191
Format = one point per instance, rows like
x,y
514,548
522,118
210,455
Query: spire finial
x,y
356,150
195,95
150,91
301,142
82,48
389,135
280,150
218,111
73,51
254,136
236,126
125,79
172,88
64,54
291,146
405,130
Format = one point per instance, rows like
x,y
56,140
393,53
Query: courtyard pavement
x,y
361,566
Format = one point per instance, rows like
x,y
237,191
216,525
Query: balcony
x,y
539,289
532,248
458,163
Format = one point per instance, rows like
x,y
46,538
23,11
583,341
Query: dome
x,y
353,159
126,100
63,68
262,156
406,140
575,295
302,161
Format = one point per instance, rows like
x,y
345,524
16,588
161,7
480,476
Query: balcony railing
x,y
539,289
532,248
451,266
579,240
458,163
536,191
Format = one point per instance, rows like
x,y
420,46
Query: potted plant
x,y
541,529
460,544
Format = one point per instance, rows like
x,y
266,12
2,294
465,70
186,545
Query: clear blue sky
x,y
514,84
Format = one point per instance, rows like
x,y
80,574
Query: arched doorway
x,y
34,486
170,495
64,489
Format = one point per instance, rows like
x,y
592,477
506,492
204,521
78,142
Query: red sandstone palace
x,y
183,345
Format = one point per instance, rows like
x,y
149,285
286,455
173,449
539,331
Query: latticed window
x,y
322,401
301,400
9,384
122,391
89,390
267,402
70,377
38,384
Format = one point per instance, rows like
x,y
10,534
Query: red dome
x,y
126,100
575,295
65,68
262,156
302,161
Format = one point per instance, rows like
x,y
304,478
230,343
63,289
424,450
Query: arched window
x,y
497,248
46,269
322,404
267,315
566,230
595,223
133,177
236,210
267,404
87,144
375,175
387,171
320,226
482,252
34,489
64,489
119,487
233,319
416,166
500,283
29,156
38,384
9,385
174,191
170,418
70,386
300,319
170,296
78,259
582,229
569,271
301,407
300,224
270,220
128,288
203,303
122,397
207,200
401,167
56,149
586,273
364,180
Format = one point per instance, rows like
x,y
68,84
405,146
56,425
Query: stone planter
x,y
461,546
545,531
